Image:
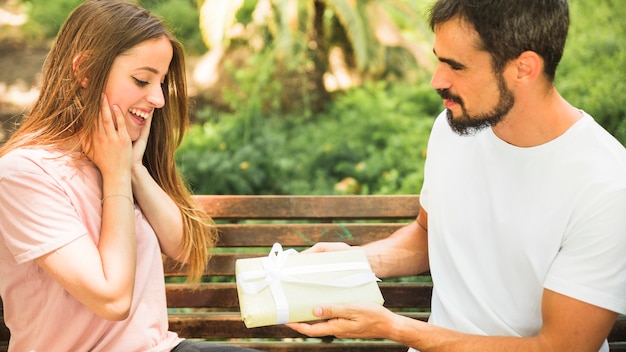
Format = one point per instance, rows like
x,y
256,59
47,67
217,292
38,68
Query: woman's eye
x,y
140,83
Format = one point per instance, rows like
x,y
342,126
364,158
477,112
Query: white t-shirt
x,y
47,201
506,222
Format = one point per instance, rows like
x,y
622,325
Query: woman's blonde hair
x,y
94,34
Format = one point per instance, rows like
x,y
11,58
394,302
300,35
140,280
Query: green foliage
x,y
46,17
182,19
591,75
372,140
369,140
257,91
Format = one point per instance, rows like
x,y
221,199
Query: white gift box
x,y
285,286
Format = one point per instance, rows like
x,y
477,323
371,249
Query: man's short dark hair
x,y
507,28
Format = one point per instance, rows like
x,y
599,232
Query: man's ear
x,y
529,66
76,63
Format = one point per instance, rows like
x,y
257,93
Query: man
x,y
523,207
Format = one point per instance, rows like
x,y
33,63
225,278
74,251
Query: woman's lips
x,y
139,116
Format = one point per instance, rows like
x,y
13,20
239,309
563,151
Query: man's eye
x,y
140,82
456,67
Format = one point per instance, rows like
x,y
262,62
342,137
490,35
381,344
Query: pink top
x,y
48,200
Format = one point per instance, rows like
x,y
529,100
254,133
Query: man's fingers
x,y
325,312
327,247
312,330
320,328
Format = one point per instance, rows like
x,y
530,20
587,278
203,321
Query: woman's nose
x,y
156,97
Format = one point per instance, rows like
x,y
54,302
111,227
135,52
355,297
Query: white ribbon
x,y
274,272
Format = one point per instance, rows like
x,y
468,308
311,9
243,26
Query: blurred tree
x,y
314,46
591,75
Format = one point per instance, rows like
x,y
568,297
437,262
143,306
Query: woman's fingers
x,y
112,118
120,124
105,115
110,147
139,146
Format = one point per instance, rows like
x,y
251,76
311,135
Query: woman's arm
x,y
102,275
161,211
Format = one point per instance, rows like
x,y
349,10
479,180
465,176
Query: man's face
x,y
475,97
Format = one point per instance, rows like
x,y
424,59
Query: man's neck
x,y
534,122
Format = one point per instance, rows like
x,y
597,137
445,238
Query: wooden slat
x,y
214,295
221,264
4,331
229,325
618,333
310,207
224,295
223,325
302,235
615,346
308,346
289,235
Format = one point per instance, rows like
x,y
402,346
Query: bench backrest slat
x,y
310,207
224,295
300,235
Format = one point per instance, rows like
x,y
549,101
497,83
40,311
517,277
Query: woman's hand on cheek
x,y
139,146
110,147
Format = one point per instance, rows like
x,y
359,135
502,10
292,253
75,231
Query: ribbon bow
x,y
274,272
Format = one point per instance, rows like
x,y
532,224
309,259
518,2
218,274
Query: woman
x,y
89,192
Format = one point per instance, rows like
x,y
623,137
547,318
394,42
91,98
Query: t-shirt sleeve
x,y
38,216
591,264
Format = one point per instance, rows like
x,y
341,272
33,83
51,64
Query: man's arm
x,y
568,325
403,253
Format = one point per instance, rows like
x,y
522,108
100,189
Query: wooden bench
x,y
248,227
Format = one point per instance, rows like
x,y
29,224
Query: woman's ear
x,y
76,62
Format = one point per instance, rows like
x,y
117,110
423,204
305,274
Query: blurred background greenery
x,y
330,96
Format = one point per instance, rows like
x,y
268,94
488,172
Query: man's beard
x,y
466,124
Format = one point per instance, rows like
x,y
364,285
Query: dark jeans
x,y
204,346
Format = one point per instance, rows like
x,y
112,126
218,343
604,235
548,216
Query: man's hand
x,y
327,247
361,320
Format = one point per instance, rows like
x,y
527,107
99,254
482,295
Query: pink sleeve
x,y
38,216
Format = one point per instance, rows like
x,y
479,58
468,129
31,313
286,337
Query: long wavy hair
x,y
96,32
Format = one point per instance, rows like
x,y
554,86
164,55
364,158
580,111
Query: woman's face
x,y
135,82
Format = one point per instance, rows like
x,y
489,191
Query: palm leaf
x,y
216,17
355,29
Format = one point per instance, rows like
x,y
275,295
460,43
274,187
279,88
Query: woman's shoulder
x,y
33,160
